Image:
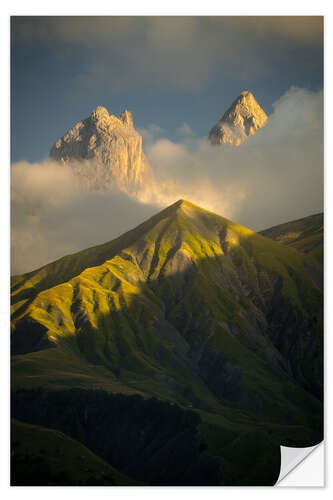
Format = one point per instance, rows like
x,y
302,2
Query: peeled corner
x,y
291,473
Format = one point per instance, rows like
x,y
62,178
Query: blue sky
x,y
167,71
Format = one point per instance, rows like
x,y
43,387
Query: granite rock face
x,y
244,118
105,151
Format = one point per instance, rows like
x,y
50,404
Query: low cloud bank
x,y
276,176
53,216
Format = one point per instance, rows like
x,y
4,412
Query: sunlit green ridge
x,y
188,307
305,235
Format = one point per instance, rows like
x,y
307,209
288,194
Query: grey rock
x,y
243,119
105,151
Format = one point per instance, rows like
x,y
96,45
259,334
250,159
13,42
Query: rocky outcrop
x,y
244,118
105,151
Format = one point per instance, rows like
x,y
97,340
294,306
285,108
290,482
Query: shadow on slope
x,y
45,457
201,313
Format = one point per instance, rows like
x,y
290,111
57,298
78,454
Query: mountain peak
x,y
111,144
99,113
181,202
184,205
244,118
127,118
214,281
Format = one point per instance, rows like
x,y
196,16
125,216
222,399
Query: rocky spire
x,y
242,119
99,113
127,118
113,148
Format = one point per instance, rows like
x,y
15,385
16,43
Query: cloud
x,y
170,53
185,130
52,215
95,30
36,186
150,133
276,176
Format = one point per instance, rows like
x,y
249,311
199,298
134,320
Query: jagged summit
x,y
127,118
244,118
113,148
99,113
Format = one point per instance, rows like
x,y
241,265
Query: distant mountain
x,y
243,119
306,235
211,333
113,148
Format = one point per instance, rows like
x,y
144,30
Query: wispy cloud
x,y
151,133
175,52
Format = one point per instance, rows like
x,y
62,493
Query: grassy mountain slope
x,y
190,308
46,457
305,235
